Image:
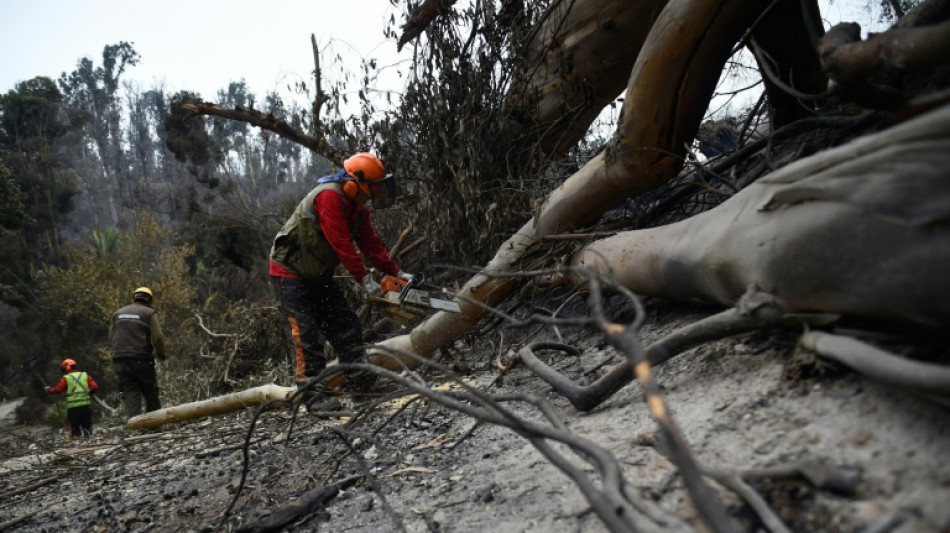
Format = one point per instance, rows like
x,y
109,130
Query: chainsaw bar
x,y
404,294
419,297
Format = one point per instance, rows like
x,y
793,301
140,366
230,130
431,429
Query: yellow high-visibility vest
x,y
77,390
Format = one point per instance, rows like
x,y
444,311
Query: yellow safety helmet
x,y
142,294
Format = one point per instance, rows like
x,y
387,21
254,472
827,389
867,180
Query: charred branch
x,y
725,324
845,58
269,122
308,504
420,19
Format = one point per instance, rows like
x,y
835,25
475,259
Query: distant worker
x,y
318,236
136,338
79,387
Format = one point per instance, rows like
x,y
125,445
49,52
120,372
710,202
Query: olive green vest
x,y
300,246
77,390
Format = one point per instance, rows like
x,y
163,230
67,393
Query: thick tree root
x,y
879,364
755,311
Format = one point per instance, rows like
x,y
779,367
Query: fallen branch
x,y
746,318
204,328
395,251
108,407
753,499
29,488
14,521
210,407
611,501
308,503
818,474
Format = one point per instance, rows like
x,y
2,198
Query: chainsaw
x,y
405,300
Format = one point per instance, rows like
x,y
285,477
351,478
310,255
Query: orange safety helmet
x,y
68,365
369,176
366,168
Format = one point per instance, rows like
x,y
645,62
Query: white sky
x,y
199,45
202,45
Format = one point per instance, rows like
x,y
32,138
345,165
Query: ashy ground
x,y
750,405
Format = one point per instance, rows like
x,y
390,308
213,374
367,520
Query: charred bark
x,y
787,34
578,61
667,93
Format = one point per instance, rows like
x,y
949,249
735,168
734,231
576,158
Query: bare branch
x,y
269,122
421,18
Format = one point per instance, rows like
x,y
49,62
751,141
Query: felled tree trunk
x,y
862,230
210,407
667,93
577,63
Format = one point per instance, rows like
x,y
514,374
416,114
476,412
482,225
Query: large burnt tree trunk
x,y
667,93
671,55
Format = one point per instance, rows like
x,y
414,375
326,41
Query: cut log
x,y
211,407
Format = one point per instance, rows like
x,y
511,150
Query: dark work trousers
x,y
80,420
311,312
137,380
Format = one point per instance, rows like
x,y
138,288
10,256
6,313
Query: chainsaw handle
x,y
417,280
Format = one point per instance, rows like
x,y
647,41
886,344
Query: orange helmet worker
x,y
329,227
79,388
365,173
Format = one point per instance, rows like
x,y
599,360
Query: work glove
x,y
403,275
370,285
46,389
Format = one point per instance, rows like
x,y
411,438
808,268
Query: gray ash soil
x,y
747,403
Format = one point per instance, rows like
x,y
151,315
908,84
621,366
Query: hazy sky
x,y
198,45
202,45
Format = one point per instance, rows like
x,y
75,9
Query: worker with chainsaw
x,y
325,230
79,388
137,340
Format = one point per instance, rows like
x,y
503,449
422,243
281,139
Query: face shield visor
x,y
383,192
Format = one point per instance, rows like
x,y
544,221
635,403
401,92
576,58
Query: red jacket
x,y
61,386
335,217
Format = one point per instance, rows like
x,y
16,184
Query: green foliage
x,y
30,112
12,211
105,241
30,127
78,300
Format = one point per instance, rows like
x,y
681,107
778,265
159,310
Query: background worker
x,y
325,230
78,386
136,338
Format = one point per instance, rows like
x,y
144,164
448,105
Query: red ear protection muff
x,y
351,187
